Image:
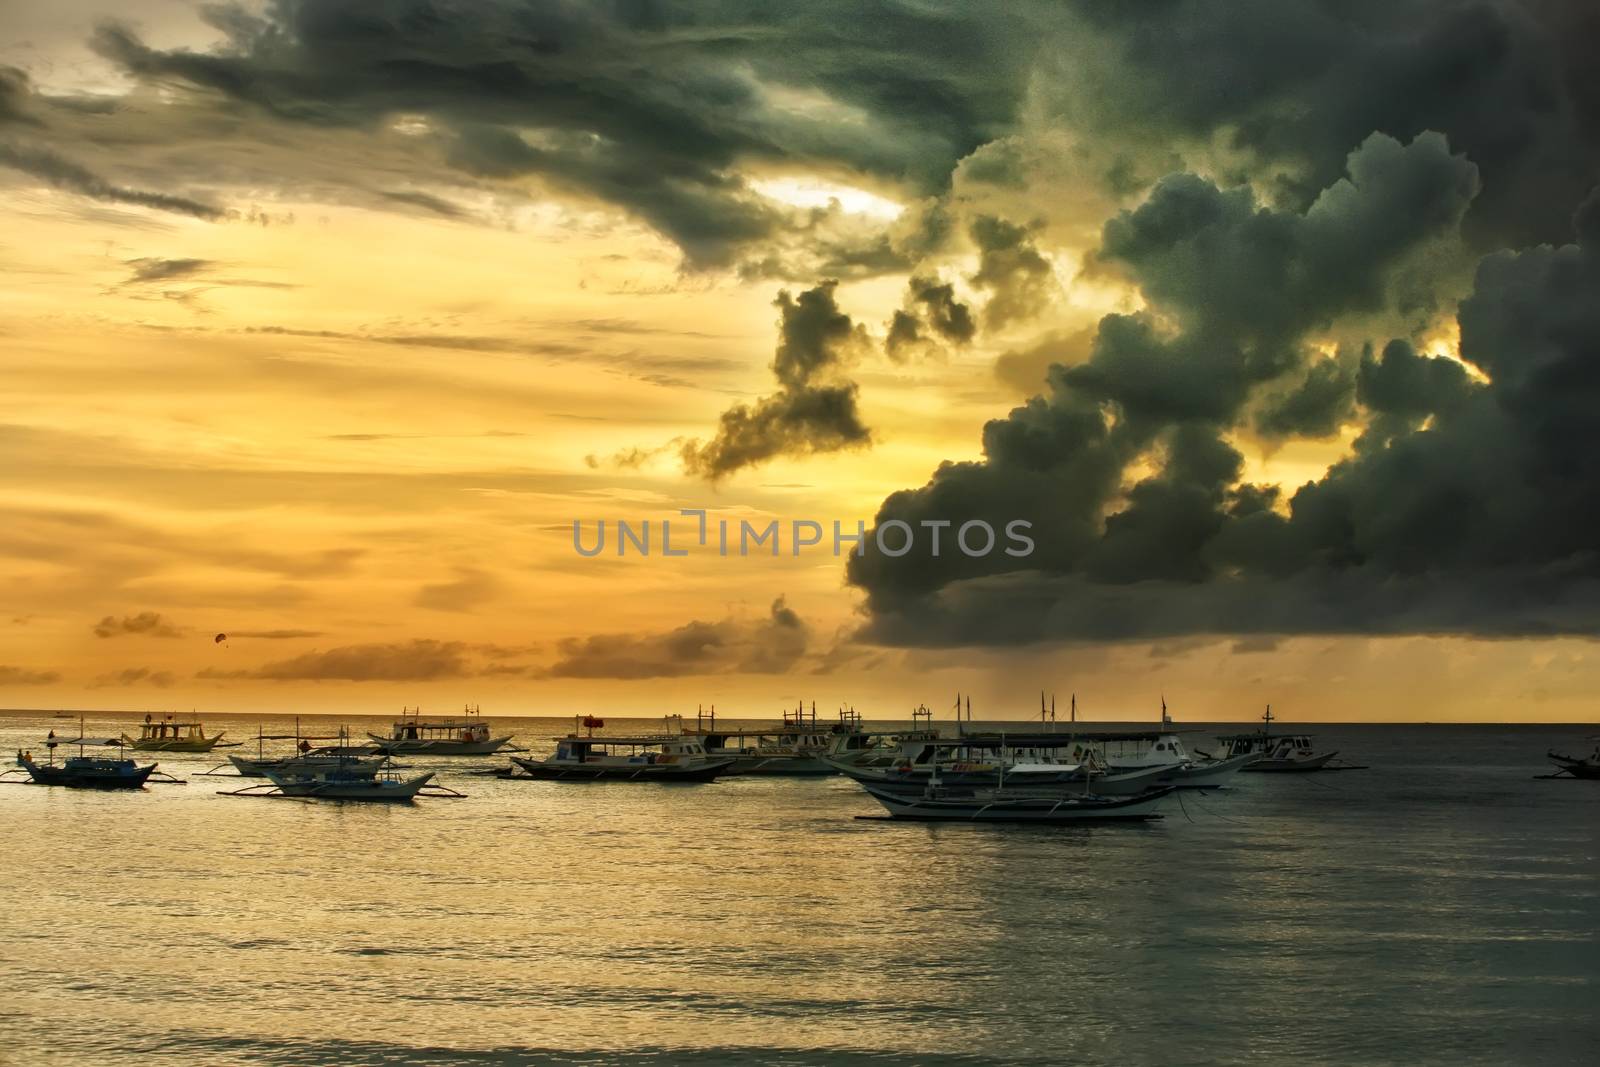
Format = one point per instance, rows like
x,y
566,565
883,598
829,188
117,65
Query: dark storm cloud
x,y
767,646
1291,85
931,314
1468,507
1020,280
651,107
62,173
814,409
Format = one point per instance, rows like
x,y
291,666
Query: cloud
x,y
417,660
771,645
1281,90
814,409
152,269
24,676
471,588
131,676
659,112
1020,280
931,314
1466,507
62,173
148,623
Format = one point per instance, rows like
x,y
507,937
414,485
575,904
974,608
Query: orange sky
x,y
356,438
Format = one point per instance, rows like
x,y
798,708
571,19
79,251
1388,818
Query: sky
x,y
324,321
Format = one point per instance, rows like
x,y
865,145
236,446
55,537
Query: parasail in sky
x,y
219,639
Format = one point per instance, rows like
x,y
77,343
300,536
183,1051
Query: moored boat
x,y
1276,753
1163,750
466,735
669,758
86,772
169,734
799,747
348,784
1576,766
1018,805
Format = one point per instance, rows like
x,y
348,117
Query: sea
x,y
1441,906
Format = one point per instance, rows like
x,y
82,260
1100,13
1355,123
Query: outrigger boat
x,y
797,748
464,736
341,773
1163,751
171,735
349,783
991,761
1277,754
88,772
584,757
308,760
1018,805
1576,767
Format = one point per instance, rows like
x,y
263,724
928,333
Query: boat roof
x,y
1051,739
635,739
1258,735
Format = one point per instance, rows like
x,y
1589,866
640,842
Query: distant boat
x,y
170,735
1575,766
465,736
669,758
1014,805
86,772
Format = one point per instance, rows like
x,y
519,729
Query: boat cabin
x,y
575,748
1269,746
411,726
168,730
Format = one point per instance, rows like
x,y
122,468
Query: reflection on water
x,y
1440,907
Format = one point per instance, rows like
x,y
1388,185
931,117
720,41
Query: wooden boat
x,y
349,784
86,772
1132,750
1277,753
308,759
468,735
168,734
670,758
1574,766
970,774
799,747
1019,805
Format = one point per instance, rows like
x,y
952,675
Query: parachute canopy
x,y
219,639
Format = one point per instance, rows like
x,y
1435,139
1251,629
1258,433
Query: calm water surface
x,y
1441,907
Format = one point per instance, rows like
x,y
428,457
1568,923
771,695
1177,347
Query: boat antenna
x,y
1267,720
